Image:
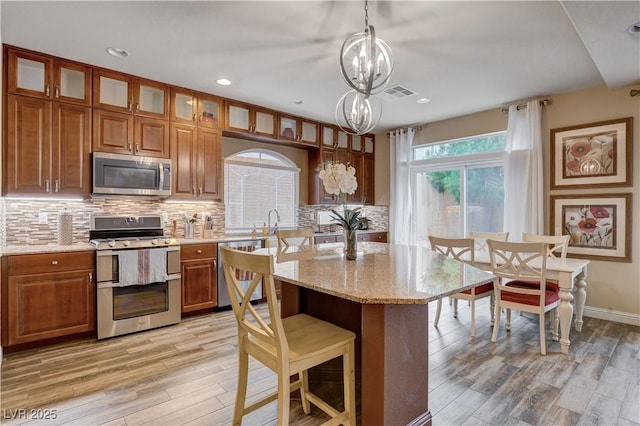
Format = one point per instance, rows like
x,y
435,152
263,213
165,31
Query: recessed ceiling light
x,y
423,100
635,28
297,101
114,51
223,82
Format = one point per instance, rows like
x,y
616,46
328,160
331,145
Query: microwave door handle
x,y
161,185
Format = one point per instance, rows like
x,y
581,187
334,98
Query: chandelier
x,y
366,63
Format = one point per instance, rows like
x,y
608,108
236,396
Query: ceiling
x,y
465,56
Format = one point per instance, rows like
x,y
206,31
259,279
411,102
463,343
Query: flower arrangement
x,y
339,179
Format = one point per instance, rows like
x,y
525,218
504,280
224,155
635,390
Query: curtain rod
x,y
543,102
416,128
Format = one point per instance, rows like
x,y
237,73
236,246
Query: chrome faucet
x,y
271,231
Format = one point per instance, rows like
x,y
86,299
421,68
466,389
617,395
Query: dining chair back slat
x,y
557,244
480,239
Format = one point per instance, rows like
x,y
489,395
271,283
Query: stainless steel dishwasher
x,y
223,295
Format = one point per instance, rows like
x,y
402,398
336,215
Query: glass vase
x,y
350,244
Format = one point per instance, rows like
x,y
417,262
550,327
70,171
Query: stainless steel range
x,y
138,274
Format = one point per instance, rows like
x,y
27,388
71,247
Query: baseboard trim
x,y
611,315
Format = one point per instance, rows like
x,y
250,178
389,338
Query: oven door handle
x,y
115,252
111,284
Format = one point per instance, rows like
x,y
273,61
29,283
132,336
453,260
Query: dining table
x,y
382,297
571,275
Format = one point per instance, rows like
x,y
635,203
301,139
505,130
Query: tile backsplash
x,y
35,221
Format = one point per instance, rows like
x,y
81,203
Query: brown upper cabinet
x,y
42,76
201,109
119,92
197,160
47,139
246,118
296,129
333,137
131,115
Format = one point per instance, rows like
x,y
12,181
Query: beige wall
x,y
613,287
231,146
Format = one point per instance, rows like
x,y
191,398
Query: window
x,y
458,186
257,181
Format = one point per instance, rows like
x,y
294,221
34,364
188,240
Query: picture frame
x,y
593,155
599,225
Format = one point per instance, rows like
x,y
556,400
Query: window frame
x,y
461,163
290,166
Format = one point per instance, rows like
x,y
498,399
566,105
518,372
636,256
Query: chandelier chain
x,y
366,14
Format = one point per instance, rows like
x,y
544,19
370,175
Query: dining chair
x,y
480,239
556,248
287,346
461,249
522,285
295,237
557,244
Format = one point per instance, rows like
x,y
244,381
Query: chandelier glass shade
x,y
366,62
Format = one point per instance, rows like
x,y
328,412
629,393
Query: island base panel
x,y
391,354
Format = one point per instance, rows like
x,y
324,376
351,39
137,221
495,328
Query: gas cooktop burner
x,y
126,232
136,242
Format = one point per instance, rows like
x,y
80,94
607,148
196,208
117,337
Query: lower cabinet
x,y
199,268
378,237
47,296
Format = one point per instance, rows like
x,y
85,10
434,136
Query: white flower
x,y
339,179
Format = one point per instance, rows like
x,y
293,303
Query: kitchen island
x,y
382,297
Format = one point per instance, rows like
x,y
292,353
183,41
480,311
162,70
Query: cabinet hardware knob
x,y
199,191
47,90
137,107
57,92
194,190
130,144
54,262
199,251
194,117
46,185
215,265
90,278
137,148
130,106
57,185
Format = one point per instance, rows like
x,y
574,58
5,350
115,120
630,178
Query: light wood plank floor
x,y
186,374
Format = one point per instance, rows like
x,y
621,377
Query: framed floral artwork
x,y
592,155
599,225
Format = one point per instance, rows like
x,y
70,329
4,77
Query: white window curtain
x,y
400,220
523,187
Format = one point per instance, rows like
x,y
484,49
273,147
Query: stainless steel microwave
x,y
116,174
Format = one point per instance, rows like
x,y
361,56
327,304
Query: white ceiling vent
x,y
395,93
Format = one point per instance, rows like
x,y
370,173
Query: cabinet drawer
x,y
327,239
198,251
50,262
379,237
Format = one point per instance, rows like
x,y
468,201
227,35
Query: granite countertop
x,y
216,238
44,248
382,273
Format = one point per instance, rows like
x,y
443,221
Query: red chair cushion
x,y
481,289
528,299
549,285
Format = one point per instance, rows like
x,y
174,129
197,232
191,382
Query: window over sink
x,y
256,181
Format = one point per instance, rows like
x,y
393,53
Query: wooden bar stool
x,y
287,346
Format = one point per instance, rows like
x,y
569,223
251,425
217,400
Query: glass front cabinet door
x,y
47,77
